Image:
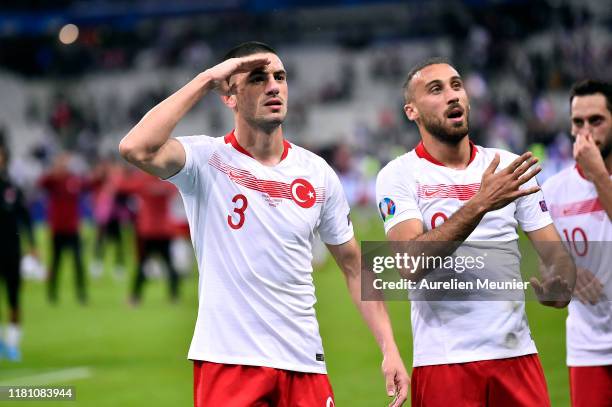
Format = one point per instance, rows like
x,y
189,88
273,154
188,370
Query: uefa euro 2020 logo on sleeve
x,y
387,209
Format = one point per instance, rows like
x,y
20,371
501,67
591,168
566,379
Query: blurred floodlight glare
x,y
68,34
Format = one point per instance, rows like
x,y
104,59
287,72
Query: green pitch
x,y
116,355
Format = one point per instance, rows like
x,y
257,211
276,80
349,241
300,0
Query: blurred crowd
x,y
69,104
113,198
518,60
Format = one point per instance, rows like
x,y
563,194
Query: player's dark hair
x,y
249,48
590,87
416,68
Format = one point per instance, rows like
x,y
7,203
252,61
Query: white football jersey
x,y
584,224
252,228
416,186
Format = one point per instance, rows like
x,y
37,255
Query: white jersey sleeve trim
x,y
532,227
395,194
406,215
184,179
531,211
336,227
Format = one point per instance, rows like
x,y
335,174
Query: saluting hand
x,y
220,74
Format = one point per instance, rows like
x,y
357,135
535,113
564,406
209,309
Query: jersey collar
x,y
582,173
230,138
422,152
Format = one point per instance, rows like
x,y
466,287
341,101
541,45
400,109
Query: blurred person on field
x,y
109,214
14,217
154,228
343,162
64,189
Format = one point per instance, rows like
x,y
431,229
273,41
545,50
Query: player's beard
x,y
606,148
266,124
448,134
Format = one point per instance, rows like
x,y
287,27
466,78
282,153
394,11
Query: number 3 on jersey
x,y
241,206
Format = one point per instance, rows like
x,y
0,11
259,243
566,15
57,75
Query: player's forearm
x,y
459,226
444,239
561,264
376,317
566,268
154,129
603,185
374,313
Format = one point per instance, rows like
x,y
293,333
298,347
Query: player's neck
x,y
456,156
267,148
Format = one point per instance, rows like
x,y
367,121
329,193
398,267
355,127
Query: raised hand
x,y
220,74
588,157
499,189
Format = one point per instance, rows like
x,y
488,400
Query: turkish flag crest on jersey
x,y
303,193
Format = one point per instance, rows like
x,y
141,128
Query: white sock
x,y
13,335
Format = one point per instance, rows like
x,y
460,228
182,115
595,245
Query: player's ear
x,y
229,101
411,111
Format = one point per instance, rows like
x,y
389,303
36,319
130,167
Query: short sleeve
x,y
335,227
197,151
531,210
396,195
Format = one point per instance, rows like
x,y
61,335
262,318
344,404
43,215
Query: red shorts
x,y
216,384
512,382
591,386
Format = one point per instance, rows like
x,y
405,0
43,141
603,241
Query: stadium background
x,y
346,62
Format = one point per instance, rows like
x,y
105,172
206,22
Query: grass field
x,y
116,355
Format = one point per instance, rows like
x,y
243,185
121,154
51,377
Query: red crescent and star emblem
x,y
303,193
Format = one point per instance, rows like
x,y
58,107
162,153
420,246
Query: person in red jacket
x,y
64,189
109,213
154,227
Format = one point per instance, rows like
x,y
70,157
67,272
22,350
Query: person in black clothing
x,y
13,212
